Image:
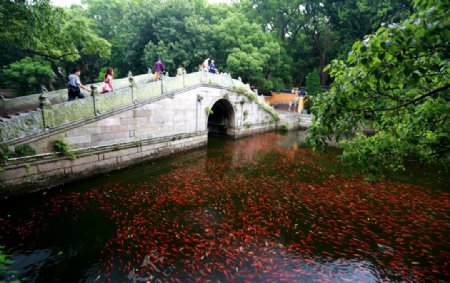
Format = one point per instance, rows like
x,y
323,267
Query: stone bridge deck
x,y
140,121
60,112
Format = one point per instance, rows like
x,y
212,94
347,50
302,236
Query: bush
x,y
24,150
284,128
313,86
62,146
4,152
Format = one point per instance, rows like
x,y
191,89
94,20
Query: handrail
x,y
31,102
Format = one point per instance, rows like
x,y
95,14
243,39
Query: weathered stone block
x,y
85,159
109,137
73,140
155,146
121,152
13,174
114,121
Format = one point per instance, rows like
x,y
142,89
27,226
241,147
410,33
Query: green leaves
x,y
27,75
397,83
313,86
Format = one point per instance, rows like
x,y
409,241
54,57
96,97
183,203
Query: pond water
x,y
259,209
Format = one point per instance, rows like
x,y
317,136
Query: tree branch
x,y
47,56
414,101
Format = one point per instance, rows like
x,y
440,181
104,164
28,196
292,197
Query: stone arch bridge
x,y
140,120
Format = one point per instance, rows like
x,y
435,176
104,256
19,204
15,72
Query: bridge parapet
x,y
144,90
31,102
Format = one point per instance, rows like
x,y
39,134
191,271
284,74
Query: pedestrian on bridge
x,y
107,83
181,71
205,65
159,68
212,67
75,85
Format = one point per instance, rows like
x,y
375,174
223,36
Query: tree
x,y
257,57
36,28
186,40
313,86
106,16
28,74
280,17
397,83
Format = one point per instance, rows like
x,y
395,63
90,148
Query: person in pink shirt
x,y
107,82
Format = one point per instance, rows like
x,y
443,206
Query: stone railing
x,y
130,91
31,102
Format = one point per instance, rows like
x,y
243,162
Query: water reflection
x,y
261,209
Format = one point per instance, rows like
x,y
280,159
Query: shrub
x,y
24,150
63,147
208,110
284,128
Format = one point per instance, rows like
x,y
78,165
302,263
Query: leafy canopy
x,y
41,29
313,86
395,82
27,74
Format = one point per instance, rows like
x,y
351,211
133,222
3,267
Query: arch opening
x,y
221,121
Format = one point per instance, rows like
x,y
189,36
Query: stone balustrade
x,y
61,112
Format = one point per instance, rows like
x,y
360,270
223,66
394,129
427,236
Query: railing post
x,y
94,94
132,86
163,83
202,79
45,105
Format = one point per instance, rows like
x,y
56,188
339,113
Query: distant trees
x,y
271,44
313,86
315,32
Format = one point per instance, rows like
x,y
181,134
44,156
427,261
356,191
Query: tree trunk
x,y
322,64
60,76
50,84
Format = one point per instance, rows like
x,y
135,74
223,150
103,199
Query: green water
x,y
259,209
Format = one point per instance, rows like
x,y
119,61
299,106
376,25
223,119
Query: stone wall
x,y
31,174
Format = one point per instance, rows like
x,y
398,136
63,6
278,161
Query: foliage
x,y
269,44
101,74
284,128
396,82
28,74
5,262
313,86
255,56
63,147
4,152
208,111
253,97
307,104
37,28
185,40
314,32
24,150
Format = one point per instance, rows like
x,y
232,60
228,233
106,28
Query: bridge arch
x,y
222,119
